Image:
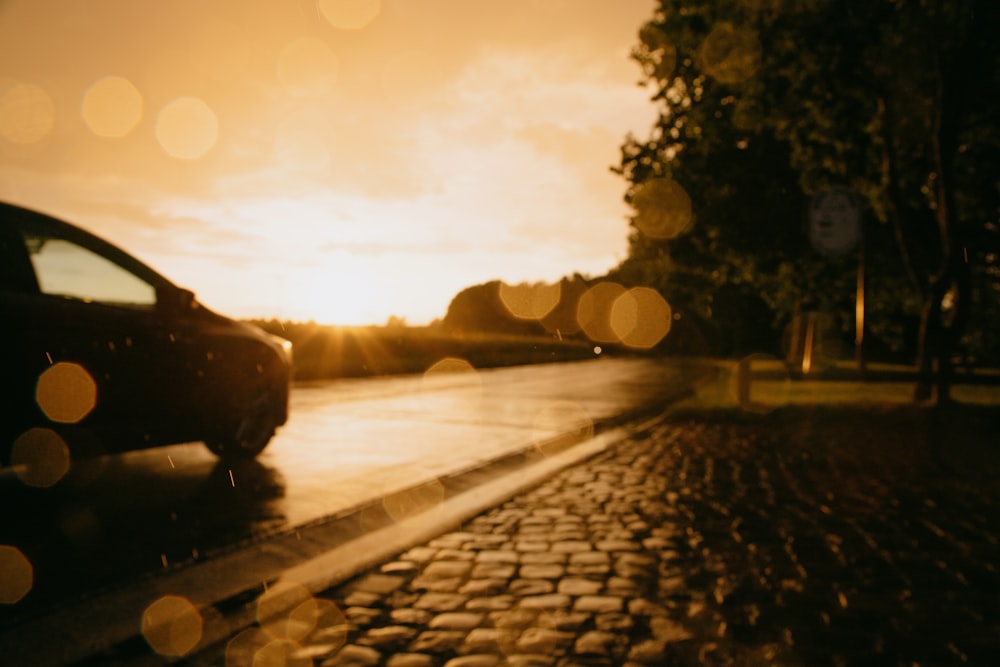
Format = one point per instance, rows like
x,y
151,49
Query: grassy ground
x,y
876,421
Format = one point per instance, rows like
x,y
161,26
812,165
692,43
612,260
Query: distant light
x,y
66,392
349,14
17,576
597,349
172,626
40,457
187,128
112,107
27,114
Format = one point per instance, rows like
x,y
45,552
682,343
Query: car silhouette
x,y
107,355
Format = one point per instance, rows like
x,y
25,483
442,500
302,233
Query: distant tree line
x,y
322,351
487,308
481,309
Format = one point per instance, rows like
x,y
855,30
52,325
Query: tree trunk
x,y
928,348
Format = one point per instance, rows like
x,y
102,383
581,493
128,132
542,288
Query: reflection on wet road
x,y
348,442
353,440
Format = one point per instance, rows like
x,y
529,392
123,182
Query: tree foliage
x,y
764,103
492,307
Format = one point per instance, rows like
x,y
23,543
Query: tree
x,y
764,103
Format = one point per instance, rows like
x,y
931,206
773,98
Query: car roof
x,y
14,215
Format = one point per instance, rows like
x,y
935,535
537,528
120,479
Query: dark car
x,y
107,355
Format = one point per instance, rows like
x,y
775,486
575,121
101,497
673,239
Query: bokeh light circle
x,y
276,607
66,392
662,53
27,114
641,317
593,311
242,648
451,371
258,647
172,625
280,653
450,366
662,208
187,128
349,14
112,107
17,576
530,301
40,457
729,54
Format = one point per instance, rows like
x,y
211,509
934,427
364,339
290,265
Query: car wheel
x,y
249,428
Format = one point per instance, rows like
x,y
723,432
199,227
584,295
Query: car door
x,y
17,283
89,310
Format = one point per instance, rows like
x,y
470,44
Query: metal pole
x,y
859,304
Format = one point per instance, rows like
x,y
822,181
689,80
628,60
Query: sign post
x,y
835,229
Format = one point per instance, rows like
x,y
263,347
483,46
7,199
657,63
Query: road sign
x,y
835,221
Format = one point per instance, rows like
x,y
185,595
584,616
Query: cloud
x,y
455,141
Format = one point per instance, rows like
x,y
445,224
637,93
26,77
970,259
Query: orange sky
x,y
336,160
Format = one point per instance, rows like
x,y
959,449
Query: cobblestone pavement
x,y
736,542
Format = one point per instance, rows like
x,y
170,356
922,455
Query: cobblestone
x,y
698,543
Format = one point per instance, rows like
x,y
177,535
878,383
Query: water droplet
x,y
112,107
349,14
663,208
730,54
66,392
172,625
27,114
187,128
530,301
641,317
40,457
16,575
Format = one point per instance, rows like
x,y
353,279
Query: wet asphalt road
x,y
122,518
690,543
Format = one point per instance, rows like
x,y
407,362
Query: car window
x,y
70,270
